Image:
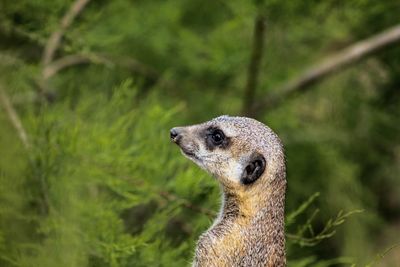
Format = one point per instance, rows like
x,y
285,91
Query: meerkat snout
x,y
175,134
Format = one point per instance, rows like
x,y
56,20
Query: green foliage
x,y
305,234
91,167
101,185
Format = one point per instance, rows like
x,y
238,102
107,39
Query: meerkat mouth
x,y
190,154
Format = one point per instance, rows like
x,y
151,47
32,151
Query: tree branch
x,y
14,118
54,41
16,122
72,60
330,65
58,65
62,63
254,65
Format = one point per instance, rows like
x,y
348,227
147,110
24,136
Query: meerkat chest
x,y
220,247
237,246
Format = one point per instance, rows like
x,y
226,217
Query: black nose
x,y
174,134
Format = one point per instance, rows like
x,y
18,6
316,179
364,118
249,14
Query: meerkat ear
x,y
254,169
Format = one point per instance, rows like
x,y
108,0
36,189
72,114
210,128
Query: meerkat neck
x,y
230,207
254,203
262,212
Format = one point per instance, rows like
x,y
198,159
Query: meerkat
x,y
247,158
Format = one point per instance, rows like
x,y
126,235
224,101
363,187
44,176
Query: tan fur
x,y
250,228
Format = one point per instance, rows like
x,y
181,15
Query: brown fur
x,y
250,228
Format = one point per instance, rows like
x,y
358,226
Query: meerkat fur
x,y
247,159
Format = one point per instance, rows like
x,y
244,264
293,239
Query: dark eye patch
x,y
215,137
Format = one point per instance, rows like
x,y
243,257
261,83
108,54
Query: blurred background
x,y
90,89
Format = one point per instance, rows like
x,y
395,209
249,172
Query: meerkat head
x,y
240,152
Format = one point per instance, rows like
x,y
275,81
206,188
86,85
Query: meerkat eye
x,y
217,137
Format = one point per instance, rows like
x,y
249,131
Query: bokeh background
x,y
90,89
